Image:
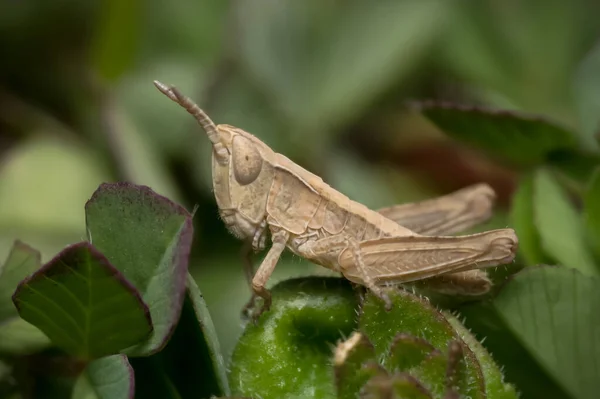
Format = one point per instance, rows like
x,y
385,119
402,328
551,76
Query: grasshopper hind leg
x,y
341,243
368,281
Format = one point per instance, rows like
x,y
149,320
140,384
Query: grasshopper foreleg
x,y
263,273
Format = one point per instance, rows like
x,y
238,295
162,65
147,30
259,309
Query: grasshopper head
x,y
239,170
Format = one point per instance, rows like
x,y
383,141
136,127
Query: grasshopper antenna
x,y
203,120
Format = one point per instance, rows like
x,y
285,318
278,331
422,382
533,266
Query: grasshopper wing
x,y
445,215
411,258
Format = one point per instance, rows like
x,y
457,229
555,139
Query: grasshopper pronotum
x,y
259,191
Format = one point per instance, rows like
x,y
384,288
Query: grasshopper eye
x,y
247,161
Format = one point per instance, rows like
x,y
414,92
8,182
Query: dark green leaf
x,y
21,262
592,211
560,227
519,140
148,238
523,221
293,342
577,165
587,96
194,346
110,377
83,304
554,311
153,380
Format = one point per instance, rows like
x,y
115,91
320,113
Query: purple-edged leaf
x,y
21,262
519,140
84,304
148,238
110,377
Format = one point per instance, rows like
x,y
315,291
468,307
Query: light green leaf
x,y
110,377
559,225
22,261
554,311
18,337
523,221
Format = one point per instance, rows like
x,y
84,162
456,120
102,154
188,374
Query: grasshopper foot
x,y
381,294
250,310
247,309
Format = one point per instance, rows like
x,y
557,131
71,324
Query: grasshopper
x,y
261,193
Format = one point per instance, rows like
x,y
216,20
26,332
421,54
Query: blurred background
x,y
328,83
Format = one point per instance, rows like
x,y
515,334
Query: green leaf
x,y
21,262
83,304
587,96
560,227
495,386
292,343
148,238
592,211
110,377
523,221
520,140
554,311
414,316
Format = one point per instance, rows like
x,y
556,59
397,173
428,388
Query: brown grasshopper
x,y
259,191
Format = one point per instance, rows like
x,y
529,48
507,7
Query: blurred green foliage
x,y
323,82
